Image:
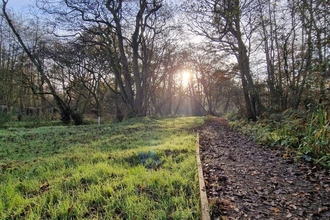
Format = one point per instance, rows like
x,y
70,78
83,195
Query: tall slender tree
x,y
221,21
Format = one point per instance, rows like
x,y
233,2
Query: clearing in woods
x,y
139,169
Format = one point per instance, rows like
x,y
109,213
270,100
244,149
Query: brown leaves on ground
x,y
247,181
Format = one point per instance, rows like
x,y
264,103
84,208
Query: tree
x,y
295,51
126,32
36,55
211,71
314,16
221,22
8,57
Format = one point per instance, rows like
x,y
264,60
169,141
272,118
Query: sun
x,y
185,78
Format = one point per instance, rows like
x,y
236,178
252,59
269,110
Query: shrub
x,y
307,134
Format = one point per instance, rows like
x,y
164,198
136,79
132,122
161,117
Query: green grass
x,y
138,169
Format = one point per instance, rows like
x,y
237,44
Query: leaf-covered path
x,y
247,181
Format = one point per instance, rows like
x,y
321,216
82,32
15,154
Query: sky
x,y
20,6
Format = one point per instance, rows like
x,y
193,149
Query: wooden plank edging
x,y
202,189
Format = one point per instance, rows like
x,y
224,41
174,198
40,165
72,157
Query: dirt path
x,y
247,181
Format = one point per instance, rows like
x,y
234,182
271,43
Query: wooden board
x,y
202,189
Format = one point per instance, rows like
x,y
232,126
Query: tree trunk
x,y
252,100
269,52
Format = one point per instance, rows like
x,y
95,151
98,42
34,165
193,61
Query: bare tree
x,y
36,55
211,71
126,32
221,22
295,47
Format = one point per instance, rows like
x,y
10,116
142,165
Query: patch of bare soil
x,y
247,181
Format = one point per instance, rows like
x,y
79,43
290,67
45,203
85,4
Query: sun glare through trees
x,y
100,64
126,59
185,76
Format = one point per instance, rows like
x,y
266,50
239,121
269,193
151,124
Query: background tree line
x,y
281,48
125,58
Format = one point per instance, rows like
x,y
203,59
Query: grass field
x,y
139,169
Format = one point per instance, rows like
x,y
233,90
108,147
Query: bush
x,y
307,134
4,118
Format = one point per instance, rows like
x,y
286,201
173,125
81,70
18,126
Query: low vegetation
x,y
139,169
304,136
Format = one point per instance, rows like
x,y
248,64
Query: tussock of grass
x,y
139,169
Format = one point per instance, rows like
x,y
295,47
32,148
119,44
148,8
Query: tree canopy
x,y
127,58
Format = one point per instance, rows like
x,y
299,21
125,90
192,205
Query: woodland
x,y
262,65
263,61
255,57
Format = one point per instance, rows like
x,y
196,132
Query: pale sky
x,y
20,6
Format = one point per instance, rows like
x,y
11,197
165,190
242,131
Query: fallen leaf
x,y
293,206
44,186
322,209
143,187
254,172
289,215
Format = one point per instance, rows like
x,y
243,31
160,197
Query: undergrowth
x,y
308,134
139,169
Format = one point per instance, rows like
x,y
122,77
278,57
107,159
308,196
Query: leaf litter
x,y
247,181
